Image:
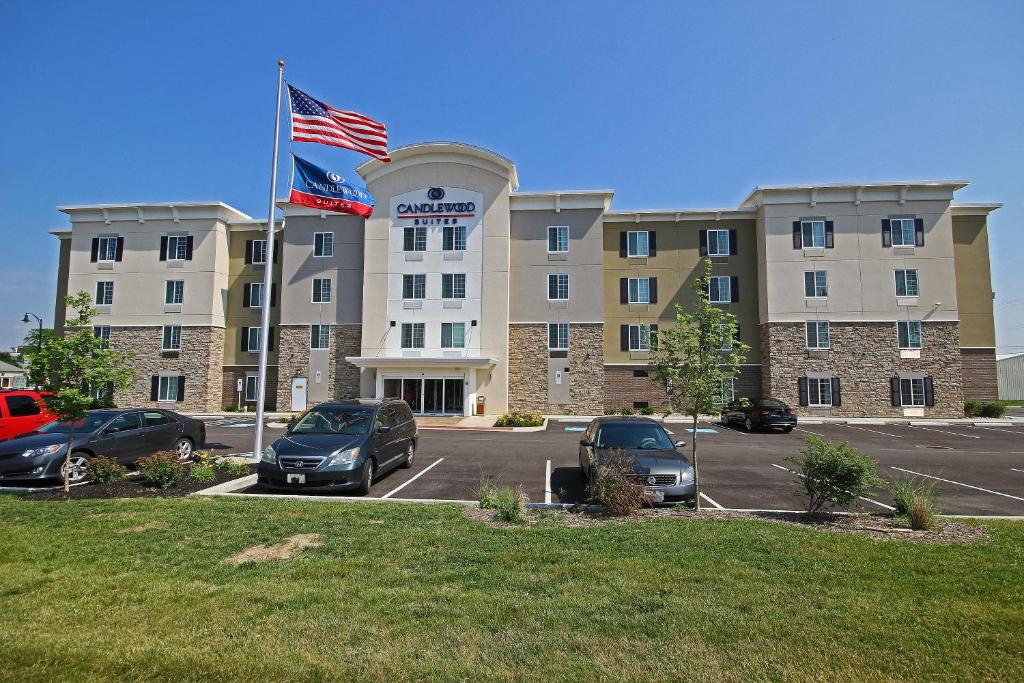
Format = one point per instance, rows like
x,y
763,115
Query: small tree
x,y
834,473
692,358
75,364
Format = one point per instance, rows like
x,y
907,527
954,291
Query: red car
x,y
23,411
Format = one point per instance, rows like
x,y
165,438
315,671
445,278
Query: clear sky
x,y
674,104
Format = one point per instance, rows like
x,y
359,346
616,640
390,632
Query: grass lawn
x,y
137,590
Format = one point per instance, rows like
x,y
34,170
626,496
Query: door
x,y
454,398
412,393
159,432
122,439
299,394
22,415
384,441
433,396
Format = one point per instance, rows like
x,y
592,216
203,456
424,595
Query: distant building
x,y
1010,376
11,376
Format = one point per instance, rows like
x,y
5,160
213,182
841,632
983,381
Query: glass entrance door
x,y
453,398
430,395
433,396
412,393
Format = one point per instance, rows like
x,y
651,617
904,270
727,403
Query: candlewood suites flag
x,y
322,189
315,121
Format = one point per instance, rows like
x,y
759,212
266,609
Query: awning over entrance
x,y
421,362
431,385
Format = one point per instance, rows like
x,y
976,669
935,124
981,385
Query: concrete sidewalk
x,y
675,418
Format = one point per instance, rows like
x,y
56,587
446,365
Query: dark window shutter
x,y
120,249
737,337
277,248
245,339
188,248
273,294
919,232
703,249
95,249
154,387
929,392
163,247
653,288
270,338
734,245
894,390
246,294
623,247
623,290
248,251
181,388
734,288
798,240
887,239
837,396
652,243
624,337
830,235
654,337
801,388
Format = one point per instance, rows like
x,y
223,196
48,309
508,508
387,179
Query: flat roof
x,y
888,184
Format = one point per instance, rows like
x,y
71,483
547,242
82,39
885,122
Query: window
x,y
172,338
906,282
319,336
558,336
168,388
101,332
718,242
639,290
639,337
908,333
252,339
177,247
259,251
815,284
726,341
819,391
720,289
412,335
558,286
414,286
104,293
323,244
127,422
817,334
453,335
813,233
22,406
454,238
637,243
902,232
321,290
453,285
107,249
415,239
255,294
912,392
154,418
558,239
727,389
174,292
250,387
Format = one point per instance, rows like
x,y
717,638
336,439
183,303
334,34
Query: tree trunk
x,y
67,458
693,457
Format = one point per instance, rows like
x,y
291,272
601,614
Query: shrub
x,y
904,492
202,472
610,411
972,408
834,473
487,493
922,513
993,409
647,410
519,419
161,470
627,411
106,471
612,485
234,468
510,505
231,408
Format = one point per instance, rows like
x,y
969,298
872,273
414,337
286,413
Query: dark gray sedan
x,y
658,466
124,435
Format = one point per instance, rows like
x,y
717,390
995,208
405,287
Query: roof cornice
x,y
172,211
441,151
842,192
561,199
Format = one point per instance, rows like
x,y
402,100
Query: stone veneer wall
x,y
347,340
199,361
528,369
864,357
293,360
229,388
623,389
981,383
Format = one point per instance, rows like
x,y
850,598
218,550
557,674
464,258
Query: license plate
x,y
296,478
655,495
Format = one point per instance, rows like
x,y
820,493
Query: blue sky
x,y
671,104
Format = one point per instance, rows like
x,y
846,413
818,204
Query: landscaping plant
x,y
834,473
487,493
510,505
993,409
233,467
203,472
162,470
613,487
922,513
904,491
519,419
104,470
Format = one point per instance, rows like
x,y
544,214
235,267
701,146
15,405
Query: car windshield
x,y
335,421
90,423
645,435
771,403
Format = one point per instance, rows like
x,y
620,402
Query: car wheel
x,y
410,454
366,480
183,448
748,425
77,468
787,430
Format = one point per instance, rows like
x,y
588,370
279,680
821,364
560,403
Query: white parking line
x,y
943,431
729,428
402,486
547,483
1016,470
995,429
958,483
870,500
708,499
865,429
809,432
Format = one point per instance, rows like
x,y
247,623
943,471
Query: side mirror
x,y
680,444
586,443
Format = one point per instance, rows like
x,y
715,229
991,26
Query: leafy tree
x,y
693,356
74,364
8,357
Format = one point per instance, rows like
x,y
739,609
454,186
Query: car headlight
x,y
345,456
686,475
44,450
269,455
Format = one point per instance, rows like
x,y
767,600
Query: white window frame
x,y
713,237
907,386
325,247
635,290
252,381
254,300
814,223
170,338
643,334
322,336
816,394
174,289
107,247
633,243
458,233
167,389
730,384
451,336
561,235
558,286
815,284
416,279
893,231
101,332
910,344
173,248
817,333
555,332
259,247
108,288
728,289
906,283
458,285
727,341
417,231
329,286
249,346
413,329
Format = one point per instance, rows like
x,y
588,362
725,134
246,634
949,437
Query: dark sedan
x,y
657,465
759,413
124,435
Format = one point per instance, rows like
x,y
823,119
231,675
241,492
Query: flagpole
x,y
268,276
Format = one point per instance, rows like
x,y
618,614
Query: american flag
x,y
314,121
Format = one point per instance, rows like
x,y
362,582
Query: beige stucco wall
x,y
238,316
973,281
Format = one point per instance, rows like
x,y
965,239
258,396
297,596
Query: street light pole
x,y
39,339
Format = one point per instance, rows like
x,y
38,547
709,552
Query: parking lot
x,y
976,470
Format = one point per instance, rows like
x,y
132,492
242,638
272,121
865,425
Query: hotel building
x,y
462,295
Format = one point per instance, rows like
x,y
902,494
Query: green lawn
x,y
400,592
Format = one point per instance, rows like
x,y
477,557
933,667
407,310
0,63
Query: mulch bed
x,y
133,487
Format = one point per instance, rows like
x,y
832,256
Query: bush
x,y
161,470
904,492
231,408
972,408
487,493
612,485
834,473
519,419
106,471
993,409
627,411
510,505
647,410
202,472
234,468
922,514
611,411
